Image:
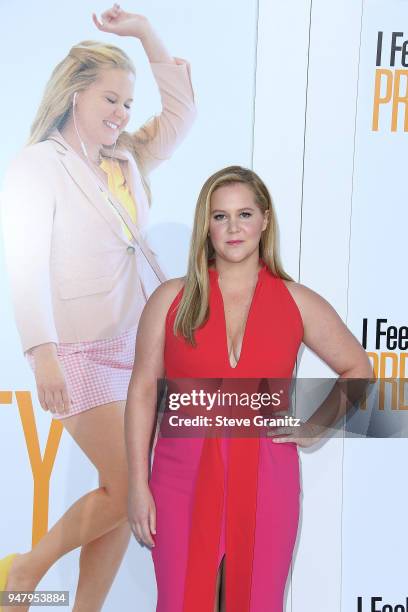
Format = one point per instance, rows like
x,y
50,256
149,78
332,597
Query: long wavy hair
x,y
80,68
193,310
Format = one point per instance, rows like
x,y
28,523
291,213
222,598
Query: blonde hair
x,y
79,69
193,310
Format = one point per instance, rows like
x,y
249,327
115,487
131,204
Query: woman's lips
x,y
234,242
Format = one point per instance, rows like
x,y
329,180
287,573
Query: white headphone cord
x,y
94,174
83,147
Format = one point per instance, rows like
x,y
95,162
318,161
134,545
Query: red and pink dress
x,y
233,497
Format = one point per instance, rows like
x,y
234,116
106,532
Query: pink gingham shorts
x,y
96,372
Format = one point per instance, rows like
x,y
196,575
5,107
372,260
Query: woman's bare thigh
x,y
99,432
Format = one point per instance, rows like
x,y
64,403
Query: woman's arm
x,y
155,141
117,21
140,414
330,339
327,336
28,207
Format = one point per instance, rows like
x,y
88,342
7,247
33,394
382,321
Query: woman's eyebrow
x,y
115,94
249,207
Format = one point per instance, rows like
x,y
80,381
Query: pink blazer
x,y
74,275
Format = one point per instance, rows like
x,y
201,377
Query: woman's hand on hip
x,y
117,21
142,514
51,385
304,434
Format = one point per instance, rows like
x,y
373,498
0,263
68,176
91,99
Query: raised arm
x,y
140,414
155,141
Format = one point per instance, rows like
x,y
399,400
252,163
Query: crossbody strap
x,y
131,225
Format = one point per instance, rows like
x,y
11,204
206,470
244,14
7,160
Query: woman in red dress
x,y
221,514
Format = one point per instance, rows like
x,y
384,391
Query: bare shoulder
x,y
308,301
161,299
152,321
327,335
303,294
169,289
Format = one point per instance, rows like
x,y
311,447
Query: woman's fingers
x,y
143,532
142,515
152,521
278,431
63,400
41,398
109,15
49,400
106,18
282,434
58,402
66,399
304,435
137,532
146,535
97,22
55,401
132,525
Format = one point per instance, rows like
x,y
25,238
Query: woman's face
x,y
236,222
102,110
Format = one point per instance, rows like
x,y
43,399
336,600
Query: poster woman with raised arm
x,y
221,514
74,202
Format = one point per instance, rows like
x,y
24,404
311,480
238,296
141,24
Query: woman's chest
x,y
270,340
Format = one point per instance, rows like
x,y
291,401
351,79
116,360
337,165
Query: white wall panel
x,y
374,542
304,144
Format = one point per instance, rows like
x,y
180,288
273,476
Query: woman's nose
x,y
120,112
233,224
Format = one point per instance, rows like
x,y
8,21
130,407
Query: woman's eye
x,y
218,216
246,215
112,101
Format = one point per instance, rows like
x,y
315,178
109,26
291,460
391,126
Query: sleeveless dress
x,y
232,497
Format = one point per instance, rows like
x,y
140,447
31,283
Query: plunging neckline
x,y
215,275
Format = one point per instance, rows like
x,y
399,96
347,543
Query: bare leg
x,y
99,432
222,590
219,603
99,563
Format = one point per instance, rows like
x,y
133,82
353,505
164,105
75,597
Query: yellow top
x,y
118,187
